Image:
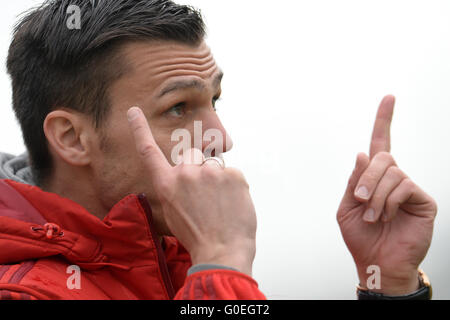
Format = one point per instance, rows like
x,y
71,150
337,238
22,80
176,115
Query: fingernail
x,y
133,113
363,193
369,215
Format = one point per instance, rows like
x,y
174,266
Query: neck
x,y
79,192
83,192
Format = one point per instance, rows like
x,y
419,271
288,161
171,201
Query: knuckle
x,y
146,149
234,173
394,171
408,183
137,127
385,157
210,172
369,179
186,174
434,207
377,200
237,176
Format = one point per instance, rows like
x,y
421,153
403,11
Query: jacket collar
x,y
124,238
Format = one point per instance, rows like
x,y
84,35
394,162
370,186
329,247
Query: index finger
x,y
154,160
381,136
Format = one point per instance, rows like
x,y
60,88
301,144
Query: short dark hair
x,y
52,66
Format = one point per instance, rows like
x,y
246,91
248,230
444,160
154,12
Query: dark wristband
x,y
423,293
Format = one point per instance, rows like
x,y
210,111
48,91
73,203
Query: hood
x,y
16,168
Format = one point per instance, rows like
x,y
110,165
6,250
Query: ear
x,y
67,135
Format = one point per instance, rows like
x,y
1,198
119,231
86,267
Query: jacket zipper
x,y
161,257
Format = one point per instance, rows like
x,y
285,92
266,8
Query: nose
x,y
216,139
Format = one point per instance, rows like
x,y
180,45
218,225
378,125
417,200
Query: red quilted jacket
x,y
45,239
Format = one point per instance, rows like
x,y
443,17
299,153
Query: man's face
x,y
174,85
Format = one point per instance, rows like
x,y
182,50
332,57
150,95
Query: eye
x,y
178,110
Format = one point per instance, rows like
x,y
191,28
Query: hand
x,y
207,208
385,218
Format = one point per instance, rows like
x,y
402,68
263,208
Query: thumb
x,y
349,201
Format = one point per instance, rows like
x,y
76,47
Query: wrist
x,y
240,259
392,285
424,292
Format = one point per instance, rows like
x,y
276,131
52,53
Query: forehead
x,y
156,64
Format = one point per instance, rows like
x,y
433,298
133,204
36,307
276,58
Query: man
x,y
113,214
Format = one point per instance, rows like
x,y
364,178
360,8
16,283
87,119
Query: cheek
x,y
165,143
120,174
116,162
117,143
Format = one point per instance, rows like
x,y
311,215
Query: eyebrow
x,y
183,84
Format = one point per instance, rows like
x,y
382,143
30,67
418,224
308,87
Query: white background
x,y
302,86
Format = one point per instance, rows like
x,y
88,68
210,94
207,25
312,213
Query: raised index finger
x,y
381,136
154,160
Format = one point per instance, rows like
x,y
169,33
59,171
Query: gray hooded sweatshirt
x,y
16,168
